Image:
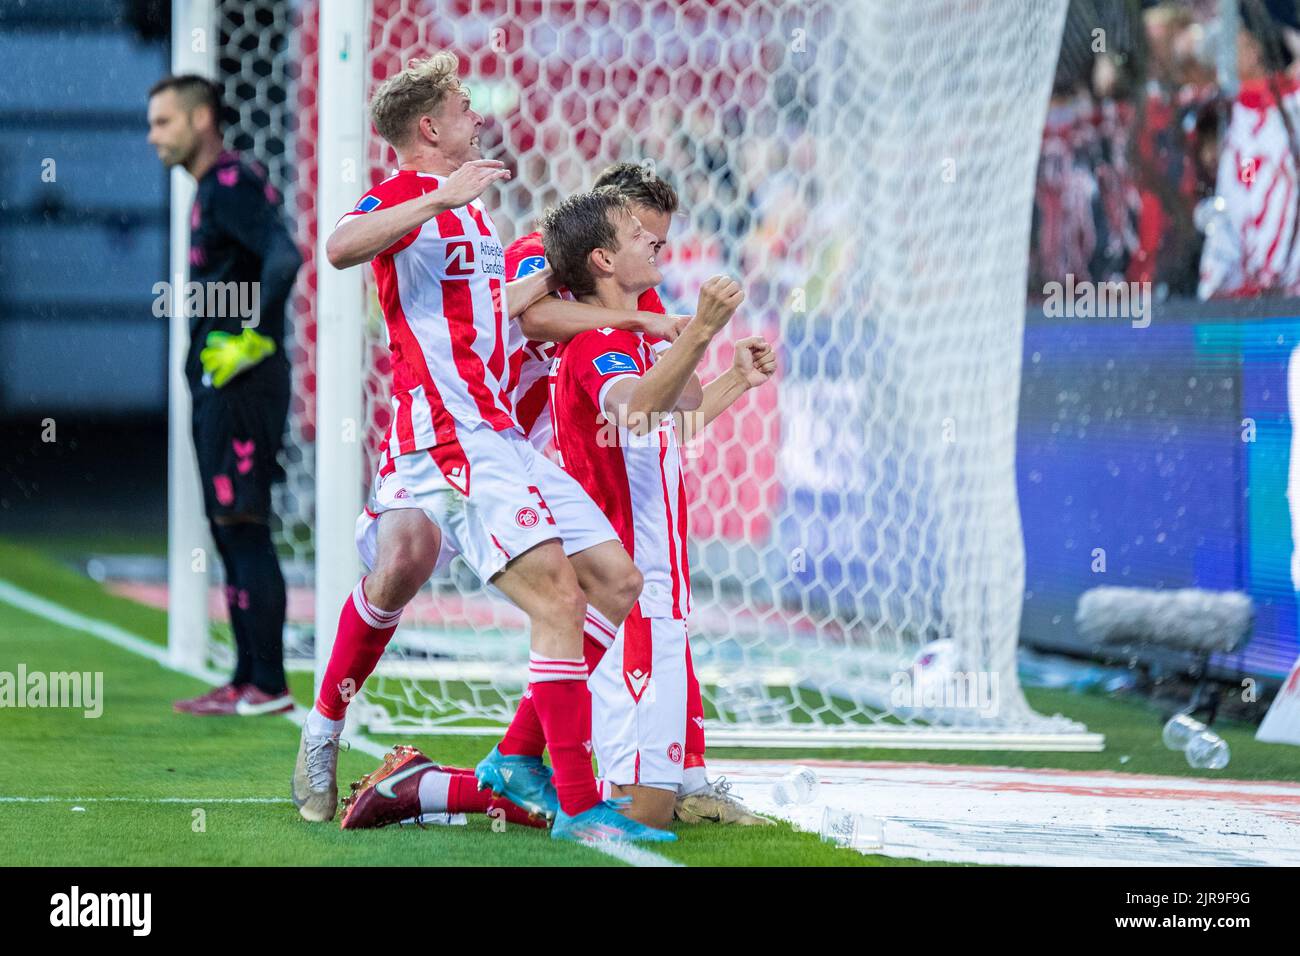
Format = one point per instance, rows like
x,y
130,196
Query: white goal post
x,y
341,307
187,532
866,169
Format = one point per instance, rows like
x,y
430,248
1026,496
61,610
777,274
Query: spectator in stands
x,y
1180,87
1066,200
1126,132
1250,223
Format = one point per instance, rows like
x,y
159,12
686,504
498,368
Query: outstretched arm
x,y
553,319
359,239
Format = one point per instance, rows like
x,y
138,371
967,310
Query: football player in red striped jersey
x,y
615,408
516,518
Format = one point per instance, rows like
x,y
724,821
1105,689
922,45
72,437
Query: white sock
x,y
318,725
435,787
694,779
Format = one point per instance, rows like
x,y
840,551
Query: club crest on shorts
x,y
526,518
675,752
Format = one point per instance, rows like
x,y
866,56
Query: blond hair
x,y
411,93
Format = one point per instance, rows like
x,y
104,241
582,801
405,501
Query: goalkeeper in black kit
x,y
242,269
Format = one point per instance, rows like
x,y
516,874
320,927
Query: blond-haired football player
x,y
464,464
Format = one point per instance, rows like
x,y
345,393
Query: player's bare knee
x,y
651,806
406,560
661,819
414,559
651,816
611,587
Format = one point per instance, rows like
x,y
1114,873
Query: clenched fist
x,y
719,299
754,362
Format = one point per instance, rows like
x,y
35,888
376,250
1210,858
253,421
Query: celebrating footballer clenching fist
x,y
682,787
458,475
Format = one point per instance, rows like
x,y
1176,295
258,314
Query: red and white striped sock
x,y
598,634
363,633
563,706
524,736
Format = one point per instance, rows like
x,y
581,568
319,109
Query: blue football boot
x,y
524,781
604,824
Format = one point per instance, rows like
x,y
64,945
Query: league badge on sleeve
x,y
614,362
529,265
368,203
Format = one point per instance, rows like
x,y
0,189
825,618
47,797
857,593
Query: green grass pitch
x,y
140,772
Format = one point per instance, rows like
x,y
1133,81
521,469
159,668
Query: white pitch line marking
x,y
192,801
633,855
57,614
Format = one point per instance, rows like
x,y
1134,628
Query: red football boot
x,y
254,702
390,794
218,700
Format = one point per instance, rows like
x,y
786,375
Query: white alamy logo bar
x,y
225,300
919,689
75,908
1098,300
77,690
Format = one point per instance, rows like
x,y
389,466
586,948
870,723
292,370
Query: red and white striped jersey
x,y
442,292
1251,247
530,360
635,480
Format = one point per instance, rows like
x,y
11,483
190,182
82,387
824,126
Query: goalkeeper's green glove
x,y
226,355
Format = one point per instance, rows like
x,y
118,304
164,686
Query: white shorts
x,y
638,704
387,494
501,498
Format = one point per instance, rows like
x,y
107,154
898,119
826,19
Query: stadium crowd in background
x,y
1150,172
1123,160
1250,225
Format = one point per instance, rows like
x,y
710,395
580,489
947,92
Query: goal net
x,y
866,169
